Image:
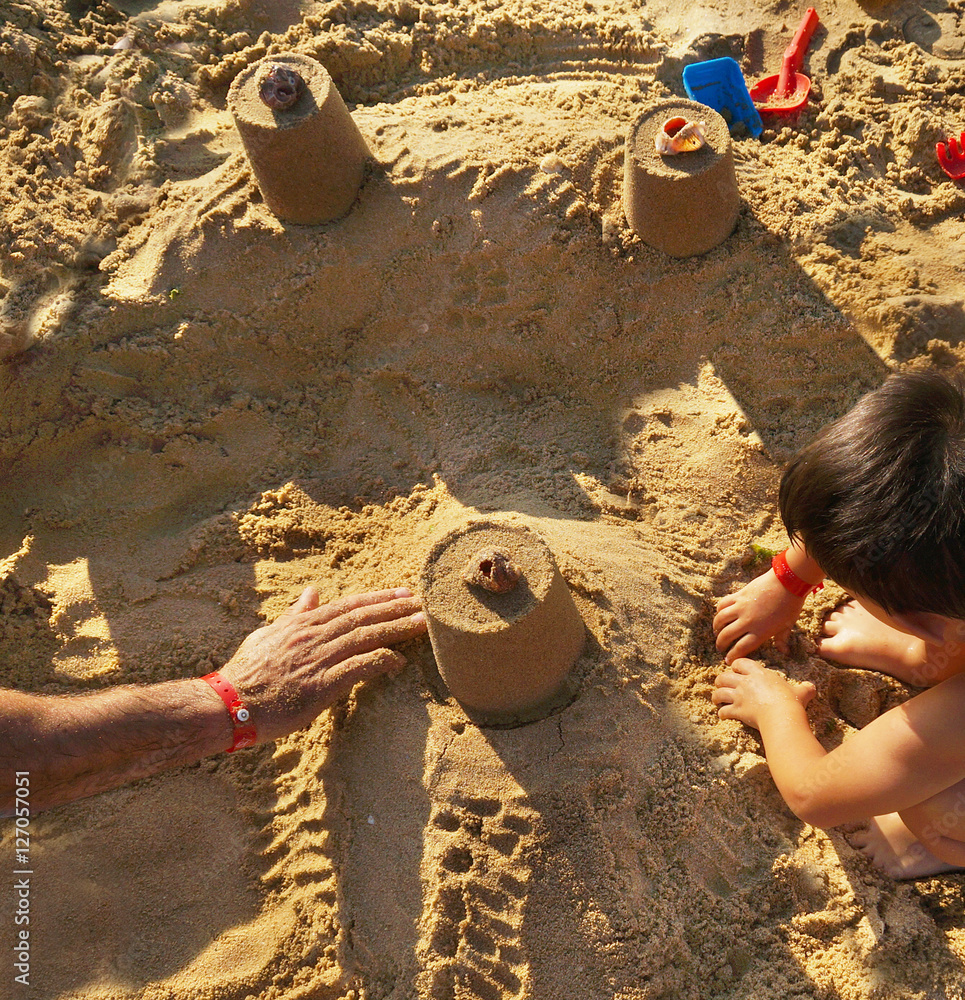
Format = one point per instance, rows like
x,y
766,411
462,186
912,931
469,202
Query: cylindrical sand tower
x,y
305,149
685,204
504,628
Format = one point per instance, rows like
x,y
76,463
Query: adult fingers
x,y
354,602
366,617
341,678
307,601
371,634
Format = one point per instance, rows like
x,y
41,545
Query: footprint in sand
x,y
475,872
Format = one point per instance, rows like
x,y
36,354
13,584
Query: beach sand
x,y
203,409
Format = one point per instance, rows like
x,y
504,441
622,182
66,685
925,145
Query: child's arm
x,y
902,758
764,608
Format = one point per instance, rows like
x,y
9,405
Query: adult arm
x,y
285,673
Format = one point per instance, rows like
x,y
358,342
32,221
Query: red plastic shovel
x,y
953,159
788,91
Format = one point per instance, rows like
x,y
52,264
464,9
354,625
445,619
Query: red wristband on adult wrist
x,y
245,734
790,580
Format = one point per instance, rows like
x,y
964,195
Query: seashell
x,y
493,570
679,136
552,164
281,87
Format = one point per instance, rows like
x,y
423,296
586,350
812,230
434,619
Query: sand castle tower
x,y
504,628
305,149
685,204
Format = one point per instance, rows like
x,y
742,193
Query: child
x,y
877,503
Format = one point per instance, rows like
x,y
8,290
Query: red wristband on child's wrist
x,y
244,734
790,580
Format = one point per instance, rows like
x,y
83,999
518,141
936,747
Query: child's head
x,y
878,497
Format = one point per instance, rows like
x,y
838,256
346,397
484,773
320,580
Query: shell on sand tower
x,y
304,147
684,204
504,628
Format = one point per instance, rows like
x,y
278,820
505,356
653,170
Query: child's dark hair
x,y
878,497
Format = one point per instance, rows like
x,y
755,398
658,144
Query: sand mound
x,y
203,409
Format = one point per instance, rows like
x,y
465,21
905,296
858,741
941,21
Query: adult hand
x,y
310,656
761,610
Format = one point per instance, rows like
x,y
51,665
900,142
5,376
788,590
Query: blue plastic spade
x,y
719,83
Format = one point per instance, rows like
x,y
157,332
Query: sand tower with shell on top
x,y
305,150
684,202
504,628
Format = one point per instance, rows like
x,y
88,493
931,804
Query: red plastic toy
x,y
952,159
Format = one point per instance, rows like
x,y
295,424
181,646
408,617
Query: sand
x,y
203,409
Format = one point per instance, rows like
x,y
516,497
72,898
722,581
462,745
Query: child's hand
x,y
762,610
748,689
